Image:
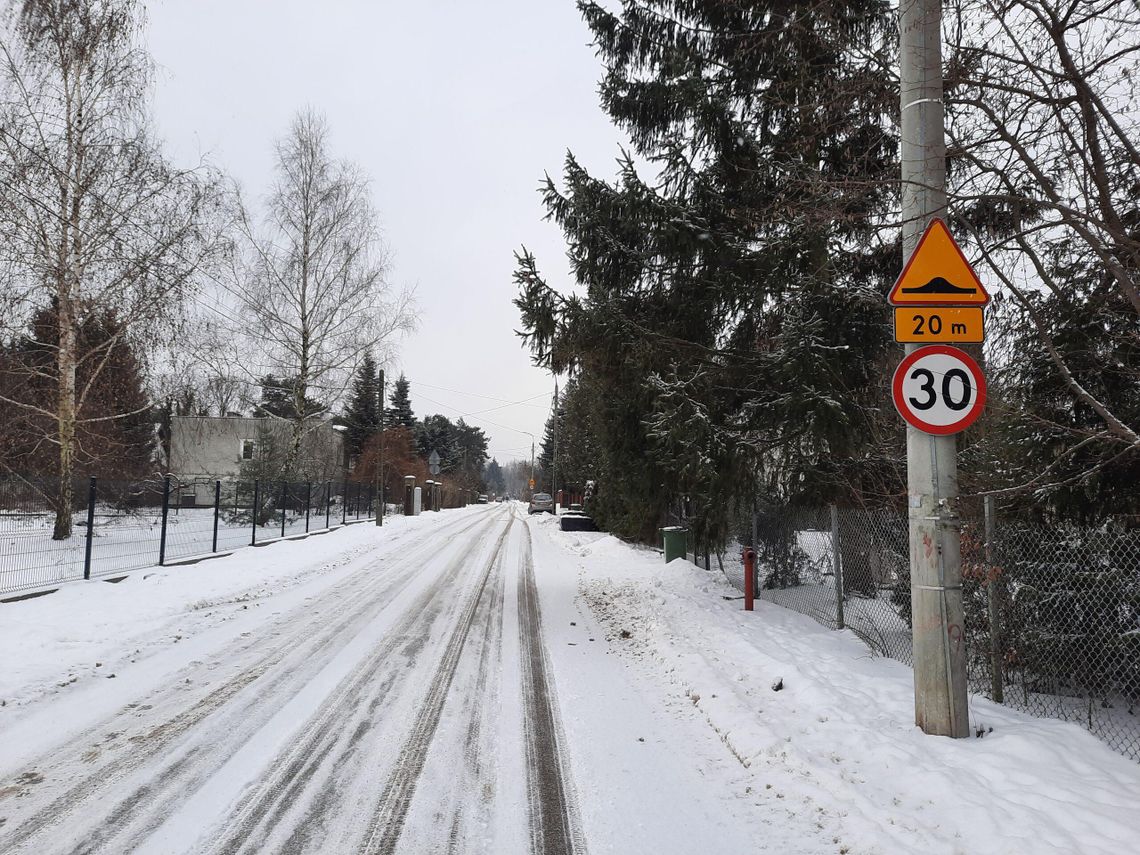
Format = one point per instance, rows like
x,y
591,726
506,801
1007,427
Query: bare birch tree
x,y
314,283
92,216
1044,141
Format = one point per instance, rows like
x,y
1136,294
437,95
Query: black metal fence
x,y
1052,613
120,525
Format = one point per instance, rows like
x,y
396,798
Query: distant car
x,y
483,500
540,502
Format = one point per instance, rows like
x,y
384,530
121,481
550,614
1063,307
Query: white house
x,y
205,449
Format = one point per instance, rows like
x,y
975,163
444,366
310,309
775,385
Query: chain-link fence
x,y
1052,614
119,525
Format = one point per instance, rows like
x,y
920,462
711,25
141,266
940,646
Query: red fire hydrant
x,y
749,577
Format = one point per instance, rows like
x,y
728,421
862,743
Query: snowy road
x,y
479,682
402,701
378,715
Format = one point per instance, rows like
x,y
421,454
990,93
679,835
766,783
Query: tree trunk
x,y
66,415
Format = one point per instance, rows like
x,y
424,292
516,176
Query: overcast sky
x,y
455,109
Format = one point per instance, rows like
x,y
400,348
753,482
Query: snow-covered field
x,y
29,558
479,681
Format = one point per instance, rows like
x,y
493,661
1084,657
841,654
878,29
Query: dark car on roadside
x,y
541,502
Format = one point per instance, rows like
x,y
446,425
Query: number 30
x,y
927,386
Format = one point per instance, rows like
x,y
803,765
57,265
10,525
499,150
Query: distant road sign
x,y
433,462
939,389
937,325
938,274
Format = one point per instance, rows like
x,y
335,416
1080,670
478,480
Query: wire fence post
x,y
344,503
165,515
755,547
90,528
837,567
993,603
328,503
217,510
308,502
284,488
253,515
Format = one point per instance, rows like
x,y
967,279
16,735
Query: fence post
x,y
328,503
253,515
837,567
308,501
217,508
993,603
409,494
344,503
165,514
90,528
749,578
284,488
755,547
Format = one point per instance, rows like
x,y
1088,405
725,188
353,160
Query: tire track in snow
x,y
312,638
554,827
477,772
388,819
340,722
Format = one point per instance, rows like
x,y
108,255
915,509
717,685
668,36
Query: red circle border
x,y
914,421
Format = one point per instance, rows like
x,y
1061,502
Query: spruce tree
x,y
114,424
362,416
400,412
732,327
438,434
493,479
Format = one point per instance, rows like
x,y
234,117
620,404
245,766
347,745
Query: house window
x,y
248,449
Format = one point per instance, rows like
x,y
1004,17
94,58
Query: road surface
x,y
403,700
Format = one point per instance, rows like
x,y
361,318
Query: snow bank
x,y
827,731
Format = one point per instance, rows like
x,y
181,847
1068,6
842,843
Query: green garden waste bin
x,y
674,538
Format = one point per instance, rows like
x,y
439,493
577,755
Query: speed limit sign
x,y
939,389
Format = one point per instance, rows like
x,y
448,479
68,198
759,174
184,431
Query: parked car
x,y
540,502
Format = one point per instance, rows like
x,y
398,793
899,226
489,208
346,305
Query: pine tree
x,y
115,422
732,325
400,412
362,416
438,434
278,399
471,445
544,463
493,479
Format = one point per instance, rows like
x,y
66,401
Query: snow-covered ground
x,y
479,681
832,760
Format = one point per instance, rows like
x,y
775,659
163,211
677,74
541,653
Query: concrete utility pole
x,y
932,470
554,455
380,460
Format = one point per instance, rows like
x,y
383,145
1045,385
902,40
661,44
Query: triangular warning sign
x,y
938,274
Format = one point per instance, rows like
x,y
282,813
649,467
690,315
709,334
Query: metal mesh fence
x,y
1053,623
29,556
141,523
1052,614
